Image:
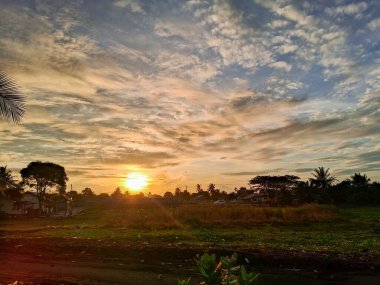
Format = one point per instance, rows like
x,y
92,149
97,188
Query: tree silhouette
x,y
11,99
88,193
322,178
360,180
42,176
8,184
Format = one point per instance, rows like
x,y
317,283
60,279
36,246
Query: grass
x,y
306,228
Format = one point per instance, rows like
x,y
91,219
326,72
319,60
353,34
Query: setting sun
x,y
136,181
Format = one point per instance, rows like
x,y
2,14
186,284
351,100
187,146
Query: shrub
x,y
226,271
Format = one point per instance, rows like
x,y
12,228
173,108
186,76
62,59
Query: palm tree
x,y
360,180
322,178
8,185
11,99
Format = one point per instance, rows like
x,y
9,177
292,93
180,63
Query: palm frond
x,y
11,99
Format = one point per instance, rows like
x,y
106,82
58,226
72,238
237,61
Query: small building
x,y
255,198
26,204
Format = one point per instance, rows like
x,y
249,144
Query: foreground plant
x,y
226,271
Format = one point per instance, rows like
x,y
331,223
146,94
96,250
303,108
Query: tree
x,y
6,179
360,180
8,184
168,195
11,99
88,193
177,192
274,183
43,176
322,178
103,196
117,194
275,186
199,188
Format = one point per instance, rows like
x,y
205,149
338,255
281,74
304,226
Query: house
x,y
255,198
27,204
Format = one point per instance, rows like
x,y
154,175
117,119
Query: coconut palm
x,y
11,99
360,180
322,178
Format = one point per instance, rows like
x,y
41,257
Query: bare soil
x,y
82,261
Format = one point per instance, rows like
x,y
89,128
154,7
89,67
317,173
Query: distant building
x,y
27,203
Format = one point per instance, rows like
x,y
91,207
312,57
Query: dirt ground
x,y
81,261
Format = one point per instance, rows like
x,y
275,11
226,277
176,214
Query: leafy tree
x,y
360,180
277,187
43,176
11,99
6,179
117,194
322,178
177,192
88,193
8,184
199,188
103,196
168,195
211,188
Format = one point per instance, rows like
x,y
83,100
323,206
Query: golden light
x,y
136,181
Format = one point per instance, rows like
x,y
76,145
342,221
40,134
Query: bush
x,y
223,272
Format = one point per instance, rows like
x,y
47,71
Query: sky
x,y
191,92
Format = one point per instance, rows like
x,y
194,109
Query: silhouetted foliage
x,y
277,187
168,195
9,186
88,193
359,180
322,178
43,176
11,99
117,194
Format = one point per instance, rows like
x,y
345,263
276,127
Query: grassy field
x,y
309,228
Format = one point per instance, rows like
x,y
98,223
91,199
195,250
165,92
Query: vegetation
x,y
226,271
348,231
322,178
11,99
42,176
9,187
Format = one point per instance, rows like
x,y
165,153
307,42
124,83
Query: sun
x,y
136,181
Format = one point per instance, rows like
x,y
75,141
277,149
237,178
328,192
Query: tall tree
x,y
11,99
322,178
274,183
43,176
9,186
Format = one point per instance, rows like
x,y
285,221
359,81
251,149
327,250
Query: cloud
x,y
282,65
350,9
131,4
374,24
191,88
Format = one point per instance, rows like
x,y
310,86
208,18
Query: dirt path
x,y
50,272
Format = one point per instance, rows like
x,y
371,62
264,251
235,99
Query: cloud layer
x,y
194,91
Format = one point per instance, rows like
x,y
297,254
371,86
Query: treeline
x,y
322,187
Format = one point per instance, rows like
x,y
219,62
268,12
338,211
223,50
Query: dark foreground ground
x,y
129,244
80,261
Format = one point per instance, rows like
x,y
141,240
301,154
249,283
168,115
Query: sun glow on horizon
x,y
136,181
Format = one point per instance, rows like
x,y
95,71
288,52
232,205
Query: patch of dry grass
x,y
160,217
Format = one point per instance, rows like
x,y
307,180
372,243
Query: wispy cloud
x,y
193,90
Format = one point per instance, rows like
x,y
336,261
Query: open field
x,y
154,236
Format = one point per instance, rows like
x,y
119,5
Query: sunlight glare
x,y
136,181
